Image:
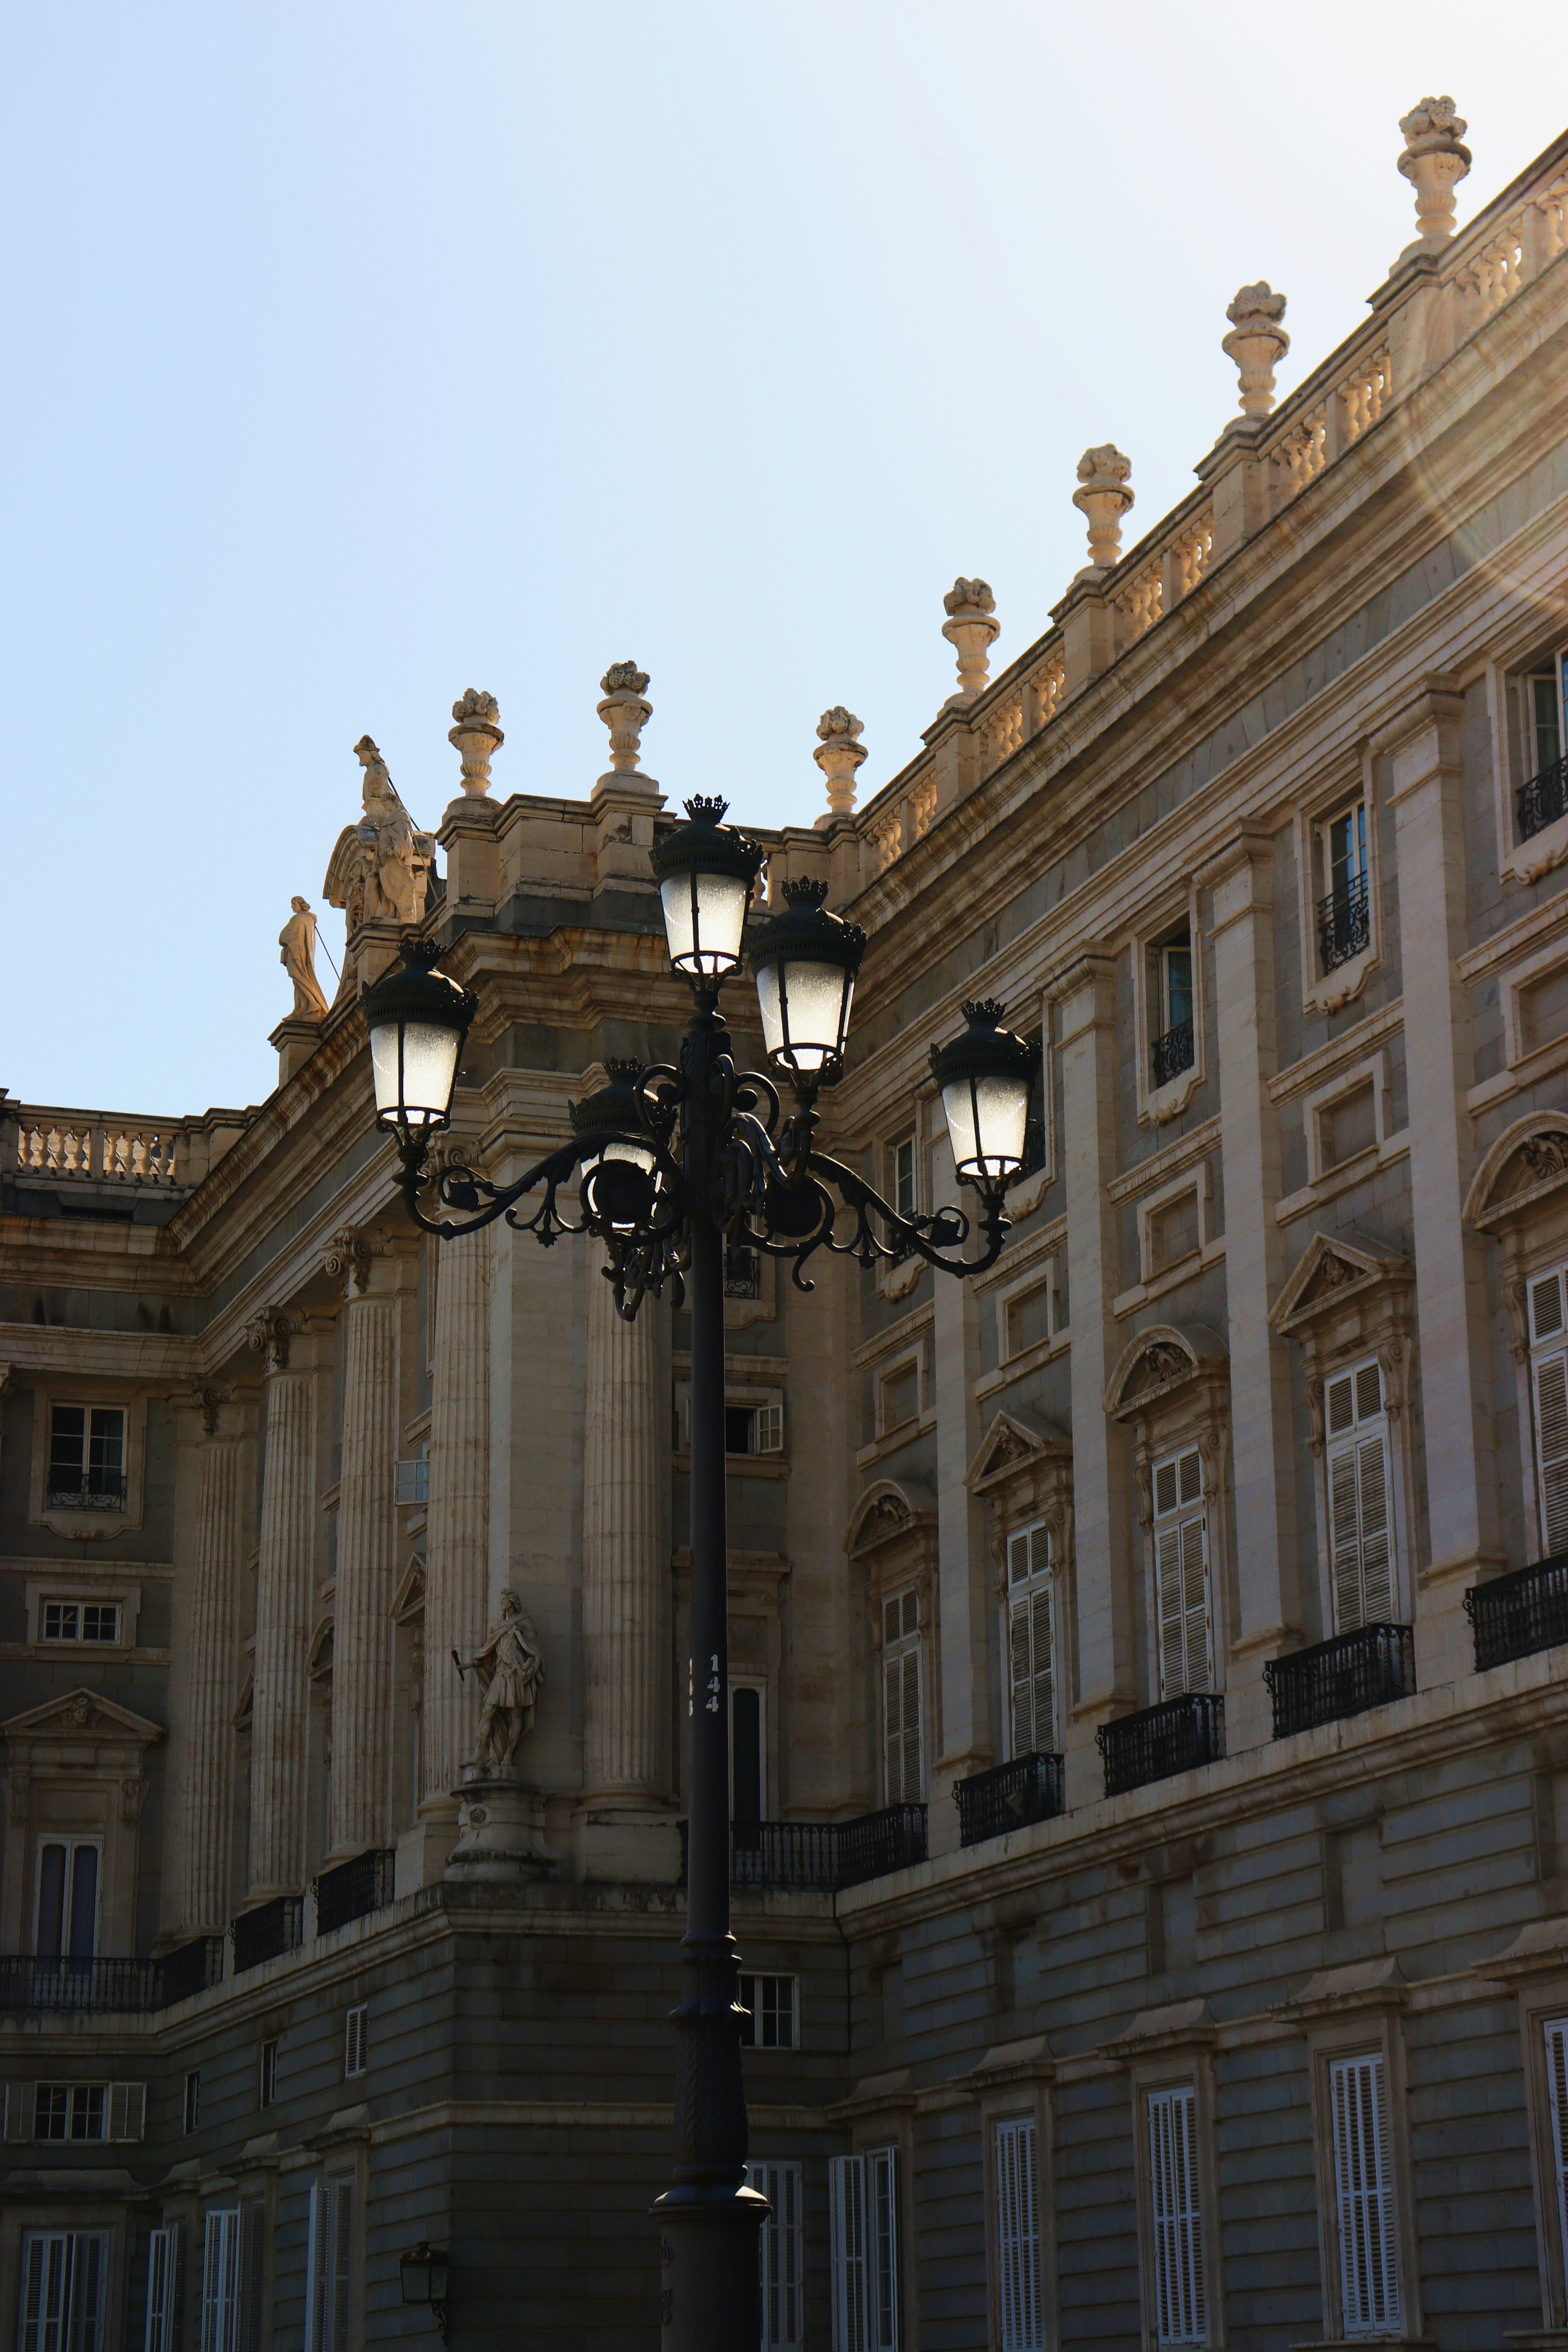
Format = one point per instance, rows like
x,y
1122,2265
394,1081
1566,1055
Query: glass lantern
x,y
805,961
706,873
985,1080
615,1152
417,1020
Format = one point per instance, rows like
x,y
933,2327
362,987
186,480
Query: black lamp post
x,y
673,1161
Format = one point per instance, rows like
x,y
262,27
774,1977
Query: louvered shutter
x,y
1181,2310
342,2251
163,2282
1376,1552
1557,2094
252,2249
1017,2239
127,2110
882,2249
220,2283
1195,1602
318,2272
36,2270
847,2250
1168,1577
1359,1527
1363,2182
1181,1575
1551,1378
1031,1671
901,1725
783,2270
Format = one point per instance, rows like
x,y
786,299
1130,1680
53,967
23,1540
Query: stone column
x,y
1241,878
1085,997
1450,1275
294,1347
457,1548
964,1733
367,1544
206,1746
626,1640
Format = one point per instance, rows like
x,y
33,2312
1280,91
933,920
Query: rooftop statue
x,y
298,941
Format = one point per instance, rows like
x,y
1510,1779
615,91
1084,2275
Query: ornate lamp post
x,y
671,1163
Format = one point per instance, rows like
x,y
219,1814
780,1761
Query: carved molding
x,y
1525,1168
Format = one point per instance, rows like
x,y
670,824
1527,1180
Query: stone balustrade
x,y
122,1148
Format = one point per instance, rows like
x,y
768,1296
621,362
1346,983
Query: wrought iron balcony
x,y
192,1967
1173,1053
355,1888
102,1495
1514,1616
29,1982
1029,1789
1160,1741
1370,1667
1344,923
271,1928
825,1854
1543,799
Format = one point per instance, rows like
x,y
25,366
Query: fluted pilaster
x,y
280,1687
215,1603
624,1576
367,1552
457,1547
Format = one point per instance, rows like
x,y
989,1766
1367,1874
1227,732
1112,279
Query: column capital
x,y
1423,734
1240,875
225,1412
360,1259
273,1332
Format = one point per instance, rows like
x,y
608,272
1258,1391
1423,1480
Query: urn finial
x,y
838,753
625,711
1103,495
476,735
969,628
1435,160
1256,342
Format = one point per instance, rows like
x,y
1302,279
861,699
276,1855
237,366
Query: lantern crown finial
x,y
705,809
805,892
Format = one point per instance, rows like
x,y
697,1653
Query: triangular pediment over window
x,y
1009,1446
409,1599
81,1715
1332,1271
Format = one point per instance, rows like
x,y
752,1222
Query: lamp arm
x,y
461,1186
800,1216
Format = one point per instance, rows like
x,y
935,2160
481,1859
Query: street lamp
x,y
422,2274
673,1161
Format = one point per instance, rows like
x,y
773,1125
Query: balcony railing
x,y
1160,1741
1029,1789
1369,1667
354,1888
103,1494
192,1967
823,1855
1542,801
271,1928
1514,1616
1344,923
1173,1053
30,1983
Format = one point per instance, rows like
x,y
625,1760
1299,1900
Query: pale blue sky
x,y
357,354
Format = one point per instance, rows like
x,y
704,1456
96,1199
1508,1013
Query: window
x,y
899,1398
1029,1318
901,1176
328,2266
1363,2192
162,2286
1556,2029
252,2278
1544,796
742,1271
414,1480
1034,1135
66,1910
1180,2313
863,2220
1344,915
70,2110
192,2105
86,1457
1020,2310
771,2003
220,2281
1173,1047
1359,1524
1030,1662
268,2072
1549,1384
754,1428
65,2274
902,1739
1180,1574
784,2268
81,1621
356,2032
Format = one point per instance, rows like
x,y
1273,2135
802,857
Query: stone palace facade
x,y
1151,1726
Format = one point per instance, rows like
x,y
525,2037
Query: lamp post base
x,y
711,2273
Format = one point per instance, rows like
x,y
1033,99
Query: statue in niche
x,y
297,941
395,859
511,1671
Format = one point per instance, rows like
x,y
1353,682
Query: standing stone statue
x,y
511,1671
395,858
298,941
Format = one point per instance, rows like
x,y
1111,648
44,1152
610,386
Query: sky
x,y
360,354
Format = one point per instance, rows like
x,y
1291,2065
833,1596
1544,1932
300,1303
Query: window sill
x,y
1332,989
87,1527
894,1441
1159,1104
1529,860
1027,1359
1345,1178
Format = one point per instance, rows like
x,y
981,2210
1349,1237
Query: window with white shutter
x,y
1363,2194
65,2275
1182,1574
220,2279
902,1744
782,2263
1556,2028
162,2286
252,2273
328,2265
1176,2229
1360,1532
355,2038
127,2110
1549,1388
1030,1660
1020,2313
863,2218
